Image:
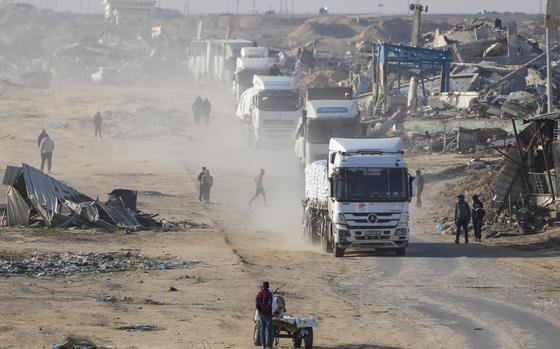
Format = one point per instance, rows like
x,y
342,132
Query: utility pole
x,y
237,7
227,7
254,7
186,9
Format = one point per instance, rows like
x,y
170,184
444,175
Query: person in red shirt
x,y
264,307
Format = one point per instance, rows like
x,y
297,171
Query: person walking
x,y
477,217
46,148
197,108
259,187
199,178
264,302
97,122
207,183
419,188
41,137
462,218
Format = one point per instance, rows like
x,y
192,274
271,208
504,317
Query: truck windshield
x,y
321,131
370,184
279,101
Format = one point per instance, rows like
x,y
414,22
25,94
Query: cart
x,y
299,329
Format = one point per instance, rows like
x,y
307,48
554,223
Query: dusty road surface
x,y
440,295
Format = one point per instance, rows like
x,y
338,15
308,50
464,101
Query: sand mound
x,y
323,78
317,27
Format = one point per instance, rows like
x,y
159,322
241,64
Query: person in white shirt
x,y
47,148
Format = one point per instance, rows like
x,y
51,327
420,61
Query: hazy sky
x,y
312,6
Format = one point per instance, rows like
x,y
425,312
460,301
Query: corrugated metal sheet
x,y
11,175
17,210
47,194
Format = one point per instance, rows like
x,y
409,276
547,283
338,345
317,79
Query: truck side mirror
x,y
411,187
331,157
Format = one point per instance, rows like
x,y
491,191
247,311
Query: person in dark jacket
x,y
199,178
207,183
419,188
42,135
197,109
462,218
264,307
477,217
97,122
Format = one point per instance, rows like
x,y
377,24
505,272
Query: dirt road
x,y
440,295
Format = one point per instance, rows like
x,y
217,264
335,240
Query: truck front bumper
x,y
372,245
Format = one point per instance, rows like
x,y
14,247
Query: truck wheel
x,y
309,338
257,334
401,251
297,341
337,251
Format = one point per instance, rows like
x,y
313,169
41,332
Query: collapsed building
x,y
36,199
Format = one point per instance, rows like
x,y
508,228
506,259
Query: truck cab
x,y
370,191
320,121
253,61
274,104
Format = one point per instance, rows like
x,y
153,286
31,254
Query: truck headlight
x,y
343,233
339,219
401,232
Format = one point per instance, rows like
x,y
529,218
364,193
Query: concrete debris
x,y
56,264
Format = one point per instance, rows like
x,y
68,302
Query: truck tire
x,y
257,334
401,251
337,251
308,340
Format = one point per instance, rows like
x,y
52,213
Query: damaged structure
x,y
37,199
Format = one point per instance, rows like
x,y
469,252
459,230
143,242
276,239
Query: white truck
x,y
359,197
320,121
270,109
253,61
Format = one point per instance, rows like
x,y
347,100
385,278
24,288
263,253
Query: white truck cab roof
x,y
254,52
355,145
262,82
370,152
251,63
319,109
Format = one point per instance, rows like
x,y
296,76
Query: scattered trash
x,y
173,289
75,342
54,264
140,328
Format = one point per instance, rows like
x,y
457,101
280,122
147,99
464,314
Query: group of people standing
x,y
463,215
201,110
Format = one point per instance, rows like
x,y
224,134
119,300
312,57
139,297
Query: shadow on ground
x,y
451,250
356,346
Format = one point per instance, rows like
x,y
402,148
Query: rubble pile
x,y
460,140
55,264
520,219
46,42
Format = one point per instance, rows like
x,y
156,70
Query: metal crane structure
x,y
400,62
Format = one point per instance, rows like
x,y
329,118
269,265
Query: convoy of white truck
x,y
357,190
